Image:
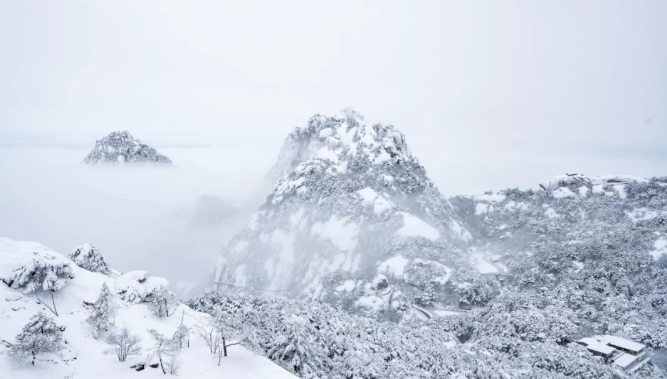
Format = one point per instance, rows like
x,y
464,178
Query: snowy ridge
x,y
350,196
121,147
82,355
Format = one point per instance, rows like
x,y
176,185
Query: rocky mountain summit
x,y
354,220
121,147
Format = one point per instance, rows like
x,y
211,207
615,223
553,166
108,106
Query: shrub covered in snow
x,y
89,257
123,344
39,336
162,303
48,272
138,286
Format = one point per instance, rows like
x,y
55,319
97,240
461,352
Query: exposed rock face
x,y
121,147
352,203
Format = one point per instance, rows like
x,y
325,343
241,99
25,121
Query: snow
x,y
386,179
415,227
370,197
445,312
483,264
493,198
641,214
562,192
288,186
91,362
135,286
461,232
370,302
512,205
296,217
622,343
551,213
341,232
347,286
481,208
620,188
324,133
624,360
394,266
583,191
327,153
660,246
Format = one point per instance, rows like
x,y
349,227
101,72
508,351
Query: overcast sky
x,y
490,94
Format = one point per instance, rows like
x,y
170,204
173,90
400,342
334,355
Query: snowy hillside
x,y
121,147
353,220
80,355
585,252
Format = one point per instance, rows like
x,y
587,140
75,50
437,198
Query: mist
x,y
140,217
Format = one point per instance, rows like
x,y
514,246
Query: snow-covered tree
x,y
89,257
181,336
43,272
103,312
292,346
40,335
123,344
208,334
173,364
162,303
164,348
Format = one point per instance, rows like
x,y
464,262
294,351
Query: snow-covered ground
x,y
16,309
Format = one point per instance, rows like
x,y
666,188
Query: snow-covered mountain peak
x,y
351,201
339,139
122,147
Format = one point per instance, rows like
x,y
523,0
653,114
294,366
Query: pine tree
x,y
292,347
40,335
42,272
181,335
103,313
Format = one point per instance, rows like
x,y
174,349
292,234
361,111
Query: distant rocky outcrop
x,y
121,147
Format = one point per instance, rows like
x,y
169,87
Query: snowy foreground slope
x,y
83,356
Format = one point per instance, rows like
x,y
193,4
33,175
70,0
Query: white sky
x,y
490,94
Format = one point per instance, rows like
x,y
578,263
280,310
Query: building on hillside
x,y
627,355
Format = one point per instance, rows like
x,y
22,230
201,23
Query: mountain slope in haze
x,y
84,356
354,221
121,147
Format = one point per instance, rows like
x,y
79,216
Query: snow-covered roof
x,y
593,345
624,360
622,343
